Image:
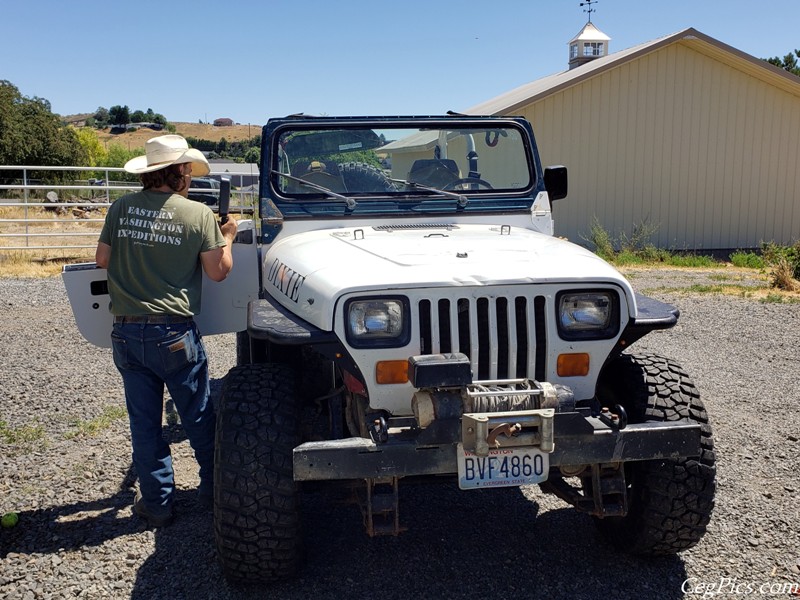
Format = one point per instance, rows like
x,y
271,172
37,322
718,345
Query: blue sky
x,y
250,60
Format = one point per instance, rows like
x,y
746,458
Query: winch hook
x,y
507,429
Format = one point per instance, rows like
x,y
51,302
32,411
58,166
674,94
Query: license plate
x,y
503,467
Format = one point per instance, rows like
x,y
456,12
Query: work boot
x,y
205,495
153,519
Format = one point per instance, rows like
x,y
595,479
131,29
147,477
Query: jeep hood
x,y
308,272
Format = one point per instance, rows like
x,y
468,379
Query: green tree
x,y
252,155
138,116
236,151
204,145
117,156
30,134
101,117
787,63
96,153
119,115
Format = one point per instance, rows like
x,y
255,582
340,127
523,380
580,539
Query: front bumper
x,y
578,439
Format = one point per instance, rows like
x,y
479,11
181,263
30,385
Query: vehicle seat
x,y
434,172
319,173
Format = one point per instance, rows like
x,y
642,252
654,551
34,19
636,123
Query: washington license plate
x,y
503,467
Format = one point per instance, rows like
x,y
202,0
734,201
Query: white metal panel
x,y
224,304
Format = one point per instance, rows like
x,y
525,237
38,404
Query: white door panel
x,y
224,304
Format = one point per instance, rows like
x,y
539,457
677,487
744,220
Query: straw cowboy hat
x,y
166,150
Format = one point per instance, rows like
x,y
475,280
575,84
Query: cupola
x,y
589,44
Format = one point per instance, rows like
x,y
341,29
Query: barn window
x,y
593,48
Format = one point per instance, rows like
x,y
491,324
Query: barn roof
x,y
524,95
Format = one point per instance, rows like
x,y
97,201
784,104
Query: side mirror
x,y
555,182
225,199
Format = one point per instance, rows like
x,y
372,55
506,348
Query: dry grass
x,y
45,262
48,262
782,275
725,280
21,266
136,139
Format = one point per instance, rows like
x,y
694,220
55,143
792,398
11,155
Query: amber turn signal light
x,y
573,365
391,371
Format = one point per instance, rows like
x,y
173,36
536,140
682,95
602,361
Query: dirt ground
x,y
65,469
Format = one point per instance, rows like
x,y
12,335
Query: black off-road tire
x,y
256,501
361,177
669,501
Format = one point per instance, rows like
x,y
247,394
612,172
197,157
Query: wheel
x,y
466,183
669,501
361,177
256,505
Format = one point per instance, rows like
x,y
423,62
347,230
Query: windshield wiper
x,y
462,199
350,202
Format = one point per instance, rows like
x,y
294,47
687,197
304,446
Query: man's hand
x,y
218,263
229,229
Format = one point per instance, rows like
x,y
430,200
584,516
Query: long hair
x,y
170,176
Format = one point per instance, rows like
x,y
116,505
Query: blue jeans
x,y
148,358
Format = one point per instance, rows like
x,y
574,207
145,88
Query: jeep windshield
x,y
429,161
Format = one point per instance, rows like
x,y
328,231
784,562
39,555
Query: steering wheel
x,y
467,181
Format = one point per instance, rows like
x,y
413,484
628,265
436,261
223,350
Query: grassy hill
x,y
136,139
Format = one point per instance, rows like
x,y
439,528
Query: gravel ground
x,y
65,468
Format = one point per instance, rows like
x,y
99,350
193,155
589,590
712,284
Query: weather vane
x,y
589,10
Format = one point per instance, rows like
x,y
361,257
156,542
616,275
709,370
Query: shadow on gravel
x,y
92,522
458,545
73,526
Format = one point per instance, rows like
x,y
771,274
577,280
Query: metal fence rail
x,y
35,212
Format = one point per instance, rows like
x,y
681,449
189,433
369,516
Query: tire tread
x,y
672,500
256,508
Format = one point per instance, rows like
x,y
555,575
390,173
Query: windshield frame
x,y
406,199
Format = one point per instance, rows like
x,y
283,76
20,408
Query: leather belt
x,y
153,319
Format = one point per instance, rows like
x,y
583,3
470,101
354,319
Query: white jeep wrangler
x,y
403,311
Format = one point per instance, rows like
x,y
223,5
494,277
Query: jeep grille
x,y
503,337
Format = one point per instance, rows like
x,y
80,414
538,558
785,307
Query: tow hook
x,y
379,431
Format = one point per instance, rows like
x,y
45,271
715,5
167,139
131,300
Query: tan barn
x,y
684,133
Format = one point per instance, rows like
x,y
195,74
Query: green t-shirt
x,y
156,239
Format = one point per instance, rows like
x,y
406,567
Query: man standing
x,y
154,244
